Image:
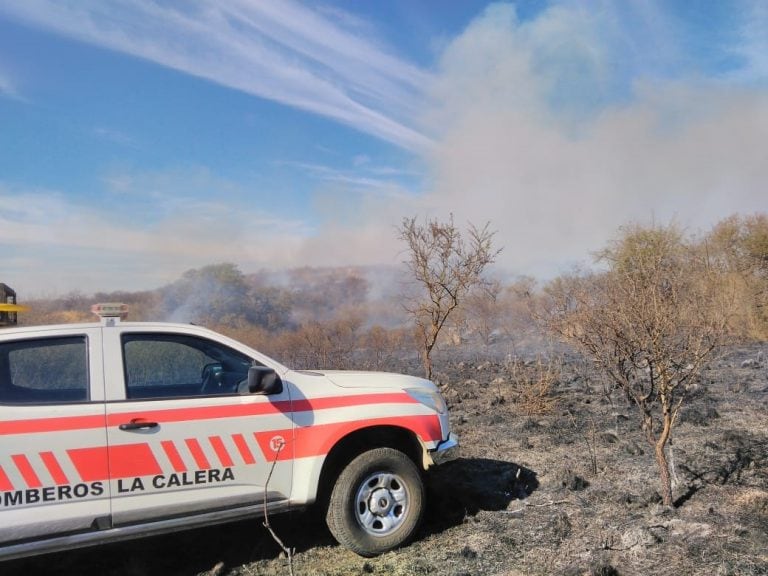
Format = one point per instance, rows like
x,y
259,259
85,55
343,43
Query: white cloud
x,y
276,49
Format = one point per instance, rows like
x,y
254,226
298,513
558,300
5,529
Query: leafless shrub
x,y
650,322
533,386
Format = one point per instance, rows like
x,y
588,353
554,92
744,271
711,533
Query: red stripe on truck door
x,y
221,451
53,467
90,463
242,447
5,482
173,456
124,461
132,460
26,471
197,453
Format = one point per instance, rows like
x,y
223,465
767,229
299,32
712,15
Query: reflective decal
x,y
54,469
26,471
197,453
221,451
242,447
173,456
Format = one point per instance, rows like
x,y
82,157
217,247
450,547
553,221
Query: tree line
x,y
443,296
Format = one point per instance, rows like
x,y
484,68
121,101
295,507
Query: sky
x,y
141,138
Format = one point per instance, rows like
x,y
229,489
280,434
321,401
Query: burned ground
x,y
572,492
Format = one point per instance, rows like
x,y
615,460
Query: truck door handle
x,y
138,424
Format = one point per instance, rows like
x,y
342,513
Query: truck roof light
x,y
109,311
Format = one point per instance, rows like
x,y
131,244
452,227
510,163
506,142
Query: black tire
x,y
377,502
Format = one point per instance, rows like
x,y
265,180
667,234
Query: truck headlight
x,y
430,398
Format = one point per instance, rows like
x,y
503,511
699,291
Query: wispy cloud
x,y
115,136
363,178
8,87
281,50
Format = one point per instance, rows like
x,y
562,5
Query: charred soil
x,y
572,492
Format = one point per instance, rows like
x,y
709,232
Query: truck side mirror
x,y
264,380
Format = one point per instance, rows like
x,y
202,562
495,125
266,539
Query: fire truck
x,y
115,429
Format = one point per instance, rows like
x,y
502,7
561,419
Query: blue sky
x,y
142,138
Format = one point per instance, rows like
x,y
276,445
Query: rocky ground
x,y
572,492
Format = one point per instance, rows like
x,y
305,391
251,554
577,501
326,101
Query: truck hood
x,y
360,379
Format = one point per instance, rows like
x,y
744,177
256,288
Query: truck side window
x,y
44,370
177,365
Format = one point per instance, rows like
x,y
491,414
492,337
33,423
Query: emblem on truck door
x,y
276,443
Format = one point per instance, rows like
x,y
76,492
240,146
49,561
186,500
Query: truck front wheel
x,y
377,502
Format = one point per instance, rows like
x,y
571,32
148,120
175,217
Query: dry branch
x,y
288,551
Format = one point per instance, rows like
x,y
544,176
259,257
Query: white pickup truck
x,y
116,430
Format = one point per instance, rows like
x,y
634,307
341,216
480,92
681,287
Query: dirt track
x,y
572,493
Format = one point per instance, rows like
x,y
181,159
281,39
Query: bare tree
x,y
650,321
445,267
483,310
